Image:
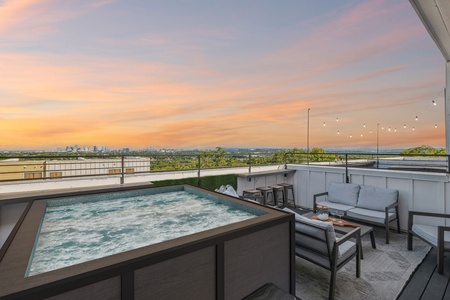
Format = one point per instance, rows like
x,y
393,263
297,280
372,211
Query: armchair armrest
x,y
315,196
440,239
412,213
355,233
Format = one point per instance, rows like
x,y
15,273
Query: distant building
x,y
14,169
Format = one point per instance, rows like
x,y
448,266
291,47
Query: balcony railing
x,y
53,167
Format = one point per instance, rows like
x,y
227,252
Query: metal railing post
x,y
448,163
249,162
347,179
198,172
122,178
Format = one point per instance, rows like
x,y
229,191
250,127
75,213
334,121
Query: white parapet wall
x,y
419,191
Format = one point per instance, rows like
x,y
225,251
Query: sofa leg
x,y
387,234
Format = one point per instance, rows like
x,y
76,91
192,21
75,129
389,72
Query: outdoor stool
x,y
267,194
288,187
253,195
278,192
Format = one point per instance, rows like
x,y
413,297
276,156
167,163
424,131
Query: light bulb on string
x,y
434,102
404,126
338,132
435,125
337,119
324,124
413,128
417,118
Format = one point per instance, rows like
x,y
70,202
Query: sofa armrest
x,y
386,211
315,196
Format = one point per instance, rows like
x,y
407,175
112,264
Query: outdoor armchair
x,y
316,242
435,235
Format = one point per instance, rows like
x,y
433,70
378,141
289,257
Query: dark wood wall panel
x,y
106,290
255,259
190,276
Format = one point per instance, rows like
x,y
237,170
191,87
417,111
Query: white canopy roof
x,y
435,15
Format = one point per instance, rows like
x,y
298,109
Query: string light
x,y
413,128
417,118
389,129
435,125
434,102
351,136
324,124
364,125
337,119
361,135
338,132
404,126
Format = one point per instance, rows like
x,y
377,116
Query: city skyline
x,y
196,74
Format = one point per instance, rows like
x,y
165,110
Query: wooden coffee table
x,y
346,229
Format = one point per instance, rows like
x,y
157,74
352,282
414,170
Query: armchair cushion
x,y
344,193
376,198
429,233
346,250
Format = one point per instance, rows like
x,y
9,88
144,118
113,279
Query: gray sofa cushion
x,y
369,215
343,193
429,233
375,198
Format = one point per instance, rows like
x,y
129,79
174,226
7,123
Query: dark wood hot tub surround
x,y
227,262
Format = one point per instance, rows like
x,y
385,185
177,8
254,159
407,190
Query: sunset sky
x,y
205,74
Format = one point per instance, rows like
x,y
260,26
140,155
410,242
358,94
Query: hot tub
x,y
224,261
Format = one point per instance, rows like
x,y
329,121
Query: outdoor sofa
x,y
367,204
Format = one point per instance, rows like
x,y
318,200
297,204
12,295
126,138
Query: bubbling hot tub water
x,y
81,230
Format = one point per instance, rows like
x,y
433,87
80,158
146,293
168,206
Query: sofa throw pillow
x,y
344,193
376,198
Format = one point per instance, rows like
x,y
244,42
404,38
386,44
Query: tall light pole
x,y
378,131
307,139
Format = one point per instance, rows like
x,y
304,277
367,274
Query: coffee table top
x,y
345,229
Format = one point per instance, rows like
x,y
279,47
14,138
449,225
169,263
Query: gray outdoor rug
x,y
384,271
